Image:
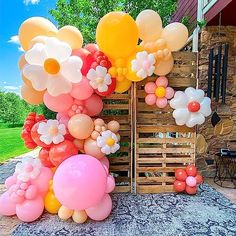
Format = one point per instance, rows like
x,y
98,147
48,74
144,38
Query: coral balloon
x,y
31,95
91,148
82,90
179,186
164,67
59,152
123,86
102,210
80,182
33,27
117,34
149,25
30,210
52,205
94,105
59,103
71,35
180,174
79,216
191,190
191,170
176,35
80,126
199,179
44,158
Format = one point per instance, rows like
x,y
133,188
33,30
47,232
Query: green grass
x,y
11,144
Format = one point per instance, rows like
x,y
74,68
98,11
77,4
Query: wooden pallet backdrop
x,y
160,145
119,107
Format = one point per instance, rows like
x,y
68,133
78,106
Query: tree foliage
x,y
85,14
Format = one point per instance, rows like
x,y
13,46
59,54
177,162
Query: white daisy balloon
x,y
108,142
191,107
51,66
28,169
51,131
99,78
143,64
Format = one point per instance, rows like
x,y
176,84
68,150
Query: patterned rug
x,y
207,213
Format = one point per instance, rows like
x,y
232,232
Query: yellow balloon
x,y
117,35
149,25
33,27
65,213
31,95
176,35
123,86
71,35
164,67
79,216
52,205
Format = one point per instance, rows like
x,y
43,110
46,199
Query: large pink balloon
x,y
7,207
105,162
94,105
59,103
102,210
80,182
82,90
30,210
110,184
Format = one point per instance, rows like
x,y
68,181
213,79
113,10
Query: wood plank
x,y
155,189
122,189
145,180
170,128
165,140
164,150
155,160
157,169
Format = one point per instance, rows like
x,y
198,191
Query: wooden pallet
x,y
119,107
160,145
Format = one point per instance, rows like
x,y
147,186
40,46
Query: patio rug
x,y
207,213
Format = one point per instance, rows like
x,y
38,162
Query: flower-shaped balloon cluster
x,y
26,189
187,180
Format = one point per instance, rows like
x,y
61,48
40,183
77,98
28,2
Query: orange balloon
x,y
80,126
22,62
123,86
26,81
91,148
164,67
31,95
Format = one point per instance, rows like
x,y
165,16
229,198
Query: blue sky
x,y
12,14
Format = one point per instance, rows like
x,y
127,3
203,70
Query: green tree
x,y
85,14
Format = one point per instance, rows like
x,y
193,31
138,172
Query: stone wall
x,y
212,36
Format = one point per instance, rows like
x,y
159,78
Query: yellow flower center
x,y
160,92
51,66
110,142
99,80
53,130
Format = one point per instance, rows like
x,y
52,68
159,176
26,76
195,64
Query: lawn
x,y
11,144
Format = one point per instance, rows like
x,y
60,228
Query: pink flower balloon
x,y
82,90
60,103
7,207
191,181
150,87
162,81
169,92
80,182
102,210
161,102
110,184
150,99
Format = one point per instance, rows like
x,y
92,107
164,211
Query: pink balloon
x,y
31,192
169,92
42,181
94,105
161,102
102,210
63,118
105,162
150,87
7,207
10,181
191,181
80,182
162,81
82,90
60,103
150,99
91,47
110,184
30,210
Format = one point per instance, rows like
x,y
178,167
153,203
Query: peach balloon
x,y
65,213
80,126
30,95
79,143
176,35
33,27
94,105
26,81
149,24
22,62
164,67
91,148
113,126
79,216
37,39
71,35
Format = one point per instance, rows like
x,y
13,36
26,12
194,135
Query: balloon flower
x,y
88,183
187,180
26,189
190,107
158,93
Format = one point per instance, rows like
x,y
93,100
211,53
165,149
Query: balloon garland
x,y
71,176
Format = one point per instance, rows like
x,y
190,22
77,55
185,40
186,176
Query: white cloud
x,y
21,49
9,87
33,2
4,82
15,39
